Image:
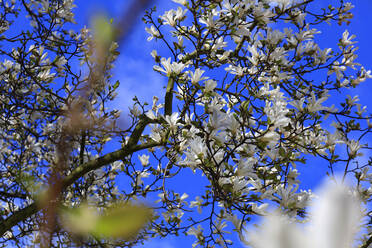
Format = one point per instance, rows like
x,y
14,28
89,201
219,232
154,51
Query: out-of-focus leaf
x,y
80,220
122,221
103,31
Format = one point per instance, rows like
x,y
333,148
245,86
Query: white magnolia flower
x,y
220,225
169,68
238,183
261,210
182,2
323,56
346,39
276,110
197,203
150,114
210,85
197,76
274,36
262,14
338,69
298,104
154,54
316,104
278,231
144,159
198,147
218,120
195,231
336,215
172,16
283,4
135,111
172,121
208,20
154,33
141,175
354,147
45,75
219,43
195,153
236,70
116,165
183,197
224,56
156,133
60,61
287,195
245,168
270,137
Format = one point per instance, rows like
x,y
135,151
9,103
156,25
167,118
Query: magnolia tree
x,y
245,106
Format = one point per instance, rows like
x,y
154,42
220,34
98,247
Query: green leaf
x,y
80,220
116,85
121,221
103,31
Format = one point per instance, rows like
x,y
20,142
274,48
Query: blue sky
x,y
134,70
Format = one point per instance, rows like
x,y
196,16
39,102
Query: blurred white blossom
x,y
334,218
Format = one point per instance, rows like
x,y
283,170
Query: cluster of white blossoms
x,y
44,105
249,107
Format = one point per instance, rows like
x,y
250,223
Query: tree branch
x,y
169,97
368,242
18,216
131,147
102,161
